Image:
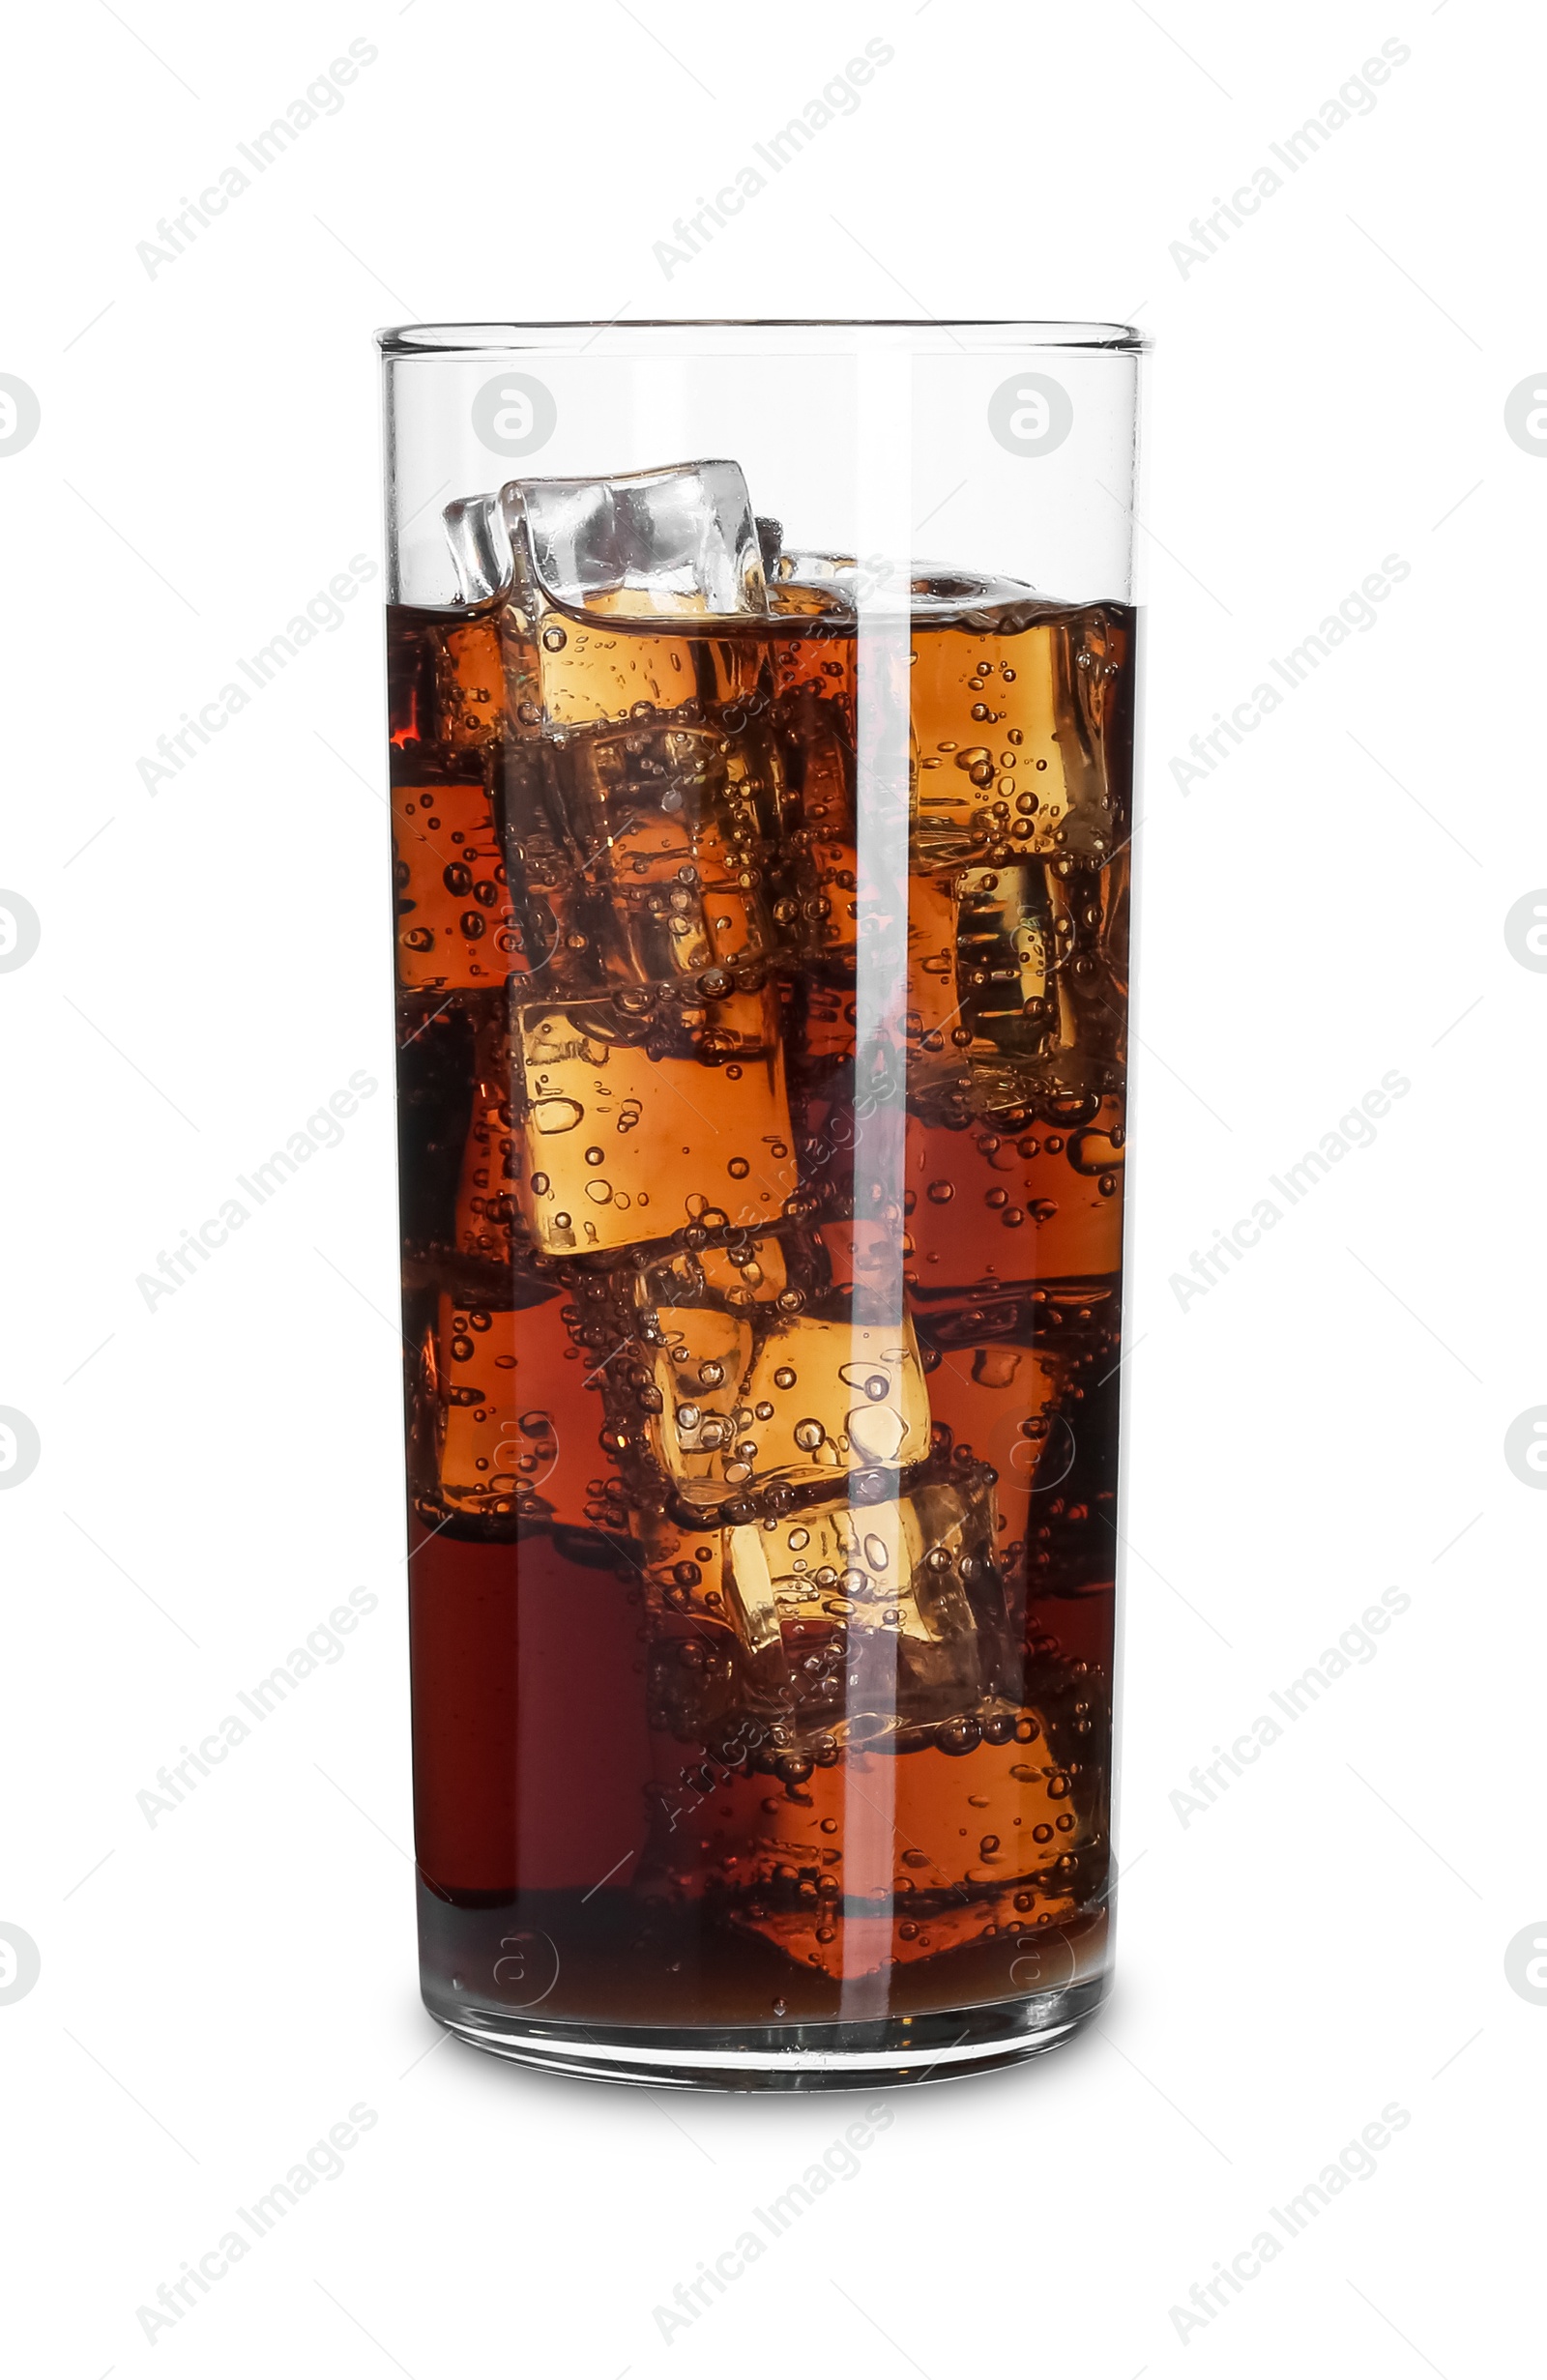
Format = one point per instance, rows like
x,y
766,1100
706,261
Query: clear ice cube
x,y
681,538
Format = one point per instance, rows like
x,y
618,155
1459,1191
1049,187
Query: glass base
x,y
939,2047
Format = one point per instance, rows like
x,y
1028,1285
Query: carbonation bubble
x,y
878,1432
808,1435
941,1191
554,1115
554,639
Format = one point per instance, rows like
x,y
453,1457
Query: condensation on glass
x,y
761,730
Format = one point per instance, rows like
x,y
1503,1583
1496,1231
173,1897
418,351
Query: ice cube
x,y
826,1397
593,570
806,585
1008,941
915,1574
935,911
821,1039
795,1402
675,539
814,772
519,1418
996,1399
1015,729
670,823
456,921
480,539
1007,935
633,860
796,1873
703,1354
487,1224
679,536
642,1119
471,682
745,1273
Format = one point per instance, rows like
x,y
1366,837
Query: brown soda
x,y
762,1622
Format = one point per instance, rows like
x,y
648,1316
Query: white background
x,y
1325,1422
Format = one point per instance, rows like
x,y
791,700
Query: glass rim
x,y
407,340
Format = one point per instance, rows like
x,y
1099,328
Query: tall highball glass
x,y
761,735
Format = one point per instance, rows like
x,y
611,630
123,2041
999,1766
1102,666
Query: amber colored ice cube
x,y
985,720
521,1415
816,783
750,1273
972,1853
625,1144
670,854
899,1569
578,669
702,1355
934,999
816,1400
472,684
492,1153
454,923
1008,950
822,1398
995,1398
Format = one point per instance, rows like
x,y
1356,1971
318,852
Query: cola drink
x,y
762,1325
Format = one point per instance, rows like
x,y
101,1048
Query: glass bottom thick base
x,y
940,2047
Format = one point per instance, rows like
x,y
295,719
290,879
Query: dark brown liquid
x,y
762,1306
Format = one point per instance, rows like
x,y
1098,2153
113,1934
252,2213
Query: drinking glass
x,y
761,731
